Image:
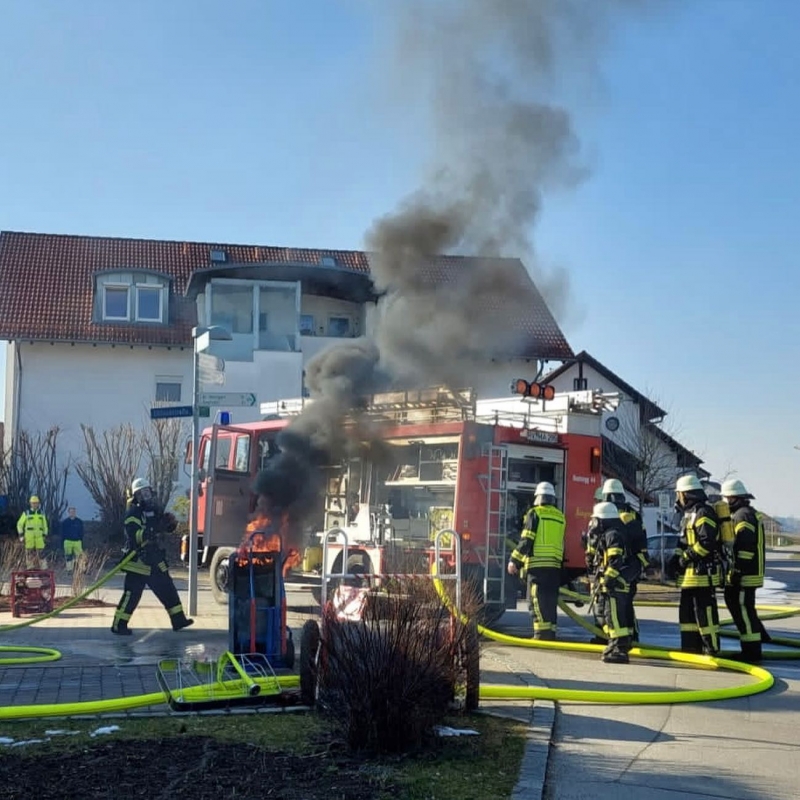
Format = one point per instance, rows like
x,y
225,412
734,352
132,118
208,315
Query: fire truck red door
x,y
228,493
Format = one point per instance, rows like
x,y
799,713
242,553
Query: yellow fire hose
x,y
764,680
48,653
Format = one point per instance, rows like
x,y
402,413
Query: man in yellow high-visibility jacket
x,y
540,554
32,529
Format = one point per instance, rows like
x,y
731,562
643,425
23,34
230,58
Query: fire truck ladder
x,y
494,567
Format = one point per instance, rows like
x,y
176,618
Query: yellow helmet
x,y
34,500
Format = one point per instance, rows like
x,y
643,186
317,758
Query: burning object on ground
x,y
256,594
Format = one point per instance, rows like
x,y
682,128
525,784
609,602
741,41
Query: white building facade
x,y
111,337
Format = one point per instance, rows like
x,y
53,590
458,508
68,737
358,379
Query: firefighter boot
x,y
751,653
181,621
121,629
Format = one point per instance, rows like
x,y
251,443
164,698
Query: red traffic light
x,y
536,391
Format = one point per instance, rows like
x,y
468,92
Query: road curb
x,y
533,772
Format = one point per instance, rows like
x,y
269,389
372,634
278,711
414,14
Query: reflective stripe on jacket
x,y
542,542
699,544
748,548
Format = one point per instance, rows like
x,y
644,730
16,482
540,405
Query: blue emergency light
x,y
224,417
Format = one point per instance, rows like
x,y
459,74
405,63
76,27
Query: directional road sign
x,y
165,412
211,370
226,399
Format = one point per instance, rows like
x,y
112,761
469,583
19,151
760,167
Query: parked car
x,y
670,544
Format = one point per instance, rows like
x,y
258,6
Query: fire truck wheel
x,y
309,645
218,572
472,664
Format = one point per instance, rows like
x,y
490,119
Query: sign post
x,y
201,340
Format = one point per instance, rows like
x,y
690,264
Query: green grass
x,y
451,768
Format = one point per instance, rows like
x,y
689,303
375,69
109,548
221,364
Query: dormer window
x,y
116,302
148,303
131,297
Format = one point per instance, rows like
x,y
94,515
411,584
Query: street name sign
x,y
167,412
226,399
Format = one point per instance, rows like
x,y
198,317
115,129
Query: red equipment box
x,y
32,591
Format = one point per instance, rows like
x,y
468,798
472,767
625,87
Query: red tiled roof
x,y
46,287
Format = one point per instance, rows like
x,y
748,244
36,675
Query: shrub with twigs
x,y
389,677
12,558
89,567
109,465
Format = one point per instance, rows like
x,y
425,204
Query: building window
x,y
168,390
232,307
148,303
307,325
339,326
580,384
115,302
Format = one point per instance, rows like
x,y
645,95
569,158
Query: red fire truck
x,y
455,463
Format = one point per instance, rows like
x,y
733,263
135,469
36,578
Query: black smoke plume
x,y
486,70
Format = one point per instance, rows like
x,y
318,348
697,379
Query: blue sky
x,y
272,122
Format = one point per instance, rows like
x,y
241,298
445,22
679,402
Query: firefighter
x,y
613,492
590,545
697,557
143,522
539,555
32,529
618,568
746,570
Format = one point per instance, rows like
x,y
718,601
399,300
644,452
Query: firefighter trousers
x,y
618,620
741,602
699,620
162,586
543,587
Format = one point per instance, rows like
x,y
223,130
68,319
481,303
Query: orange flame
x,y
261,538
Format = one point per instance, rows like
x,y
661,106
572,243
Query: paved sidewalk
x,y
744,748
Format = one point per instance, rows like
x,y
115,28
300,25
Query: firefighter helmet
x,y
688,483
544,488
598,494
735,488
139,484
34,500
613,486
605,511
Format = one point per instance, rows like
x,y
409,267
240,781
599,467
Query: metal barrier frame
x,y
326,576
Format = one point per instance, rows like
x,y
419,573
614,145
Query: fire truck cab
x,y
448,462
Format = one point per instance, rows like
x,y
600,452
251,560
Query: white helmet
x,y
605,511
139,484
544,488
688,483
734,488
613,486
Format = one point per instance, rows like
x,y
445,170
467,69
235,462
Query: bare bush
x,y
32,466
12,558
389,677
162,447
88,569
107,469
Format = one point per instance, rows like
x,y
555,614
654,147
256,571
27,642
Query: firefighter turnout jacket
x,y
637,535
142,527
618,562
542,541
747,567
698,548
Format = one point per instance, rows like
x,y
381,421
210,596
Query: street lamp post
x,y
201,338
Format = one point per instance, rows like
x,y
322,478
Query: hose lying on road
x,y
764,680
48,653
